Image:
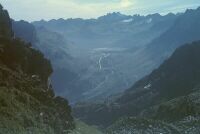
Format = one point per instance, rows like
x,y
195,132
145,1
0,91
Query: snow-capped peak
x,y
127,20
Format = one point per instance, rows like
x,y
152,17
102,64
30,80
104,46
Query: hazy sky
x,y
31,10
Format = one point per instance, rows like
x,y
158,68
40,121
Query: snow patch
x,y
149,20
127,20
147,86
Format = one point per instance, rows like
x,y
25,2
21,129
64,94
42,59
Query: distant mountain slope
x,y
178,76
184,30
25,31
104,51
27,101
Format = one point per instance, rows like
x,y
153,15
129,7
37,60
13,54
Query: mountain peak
x,y
154,15
115,16
115,13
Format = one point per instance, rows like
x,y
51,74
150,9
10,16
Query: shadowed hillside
x,y
27,100
169,94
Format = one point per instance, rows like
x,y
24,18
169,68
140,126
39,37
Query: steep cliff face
x,y
5,23
27,100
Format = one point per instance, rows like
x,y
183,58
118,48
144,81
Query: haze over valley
x,y
117,73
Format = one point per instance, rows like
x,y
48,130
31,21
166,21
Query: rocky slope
x,y
177,116
27,100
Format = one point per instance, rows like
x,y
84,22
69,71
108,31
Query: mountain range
x,y
94,52
96,58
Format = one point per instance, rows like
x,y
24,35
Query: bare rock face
x,y
5,23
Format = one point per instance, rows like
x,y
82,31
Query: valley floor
x,y
82,128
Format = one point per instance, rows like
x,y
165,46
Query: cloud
x,y
126,3
47,9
